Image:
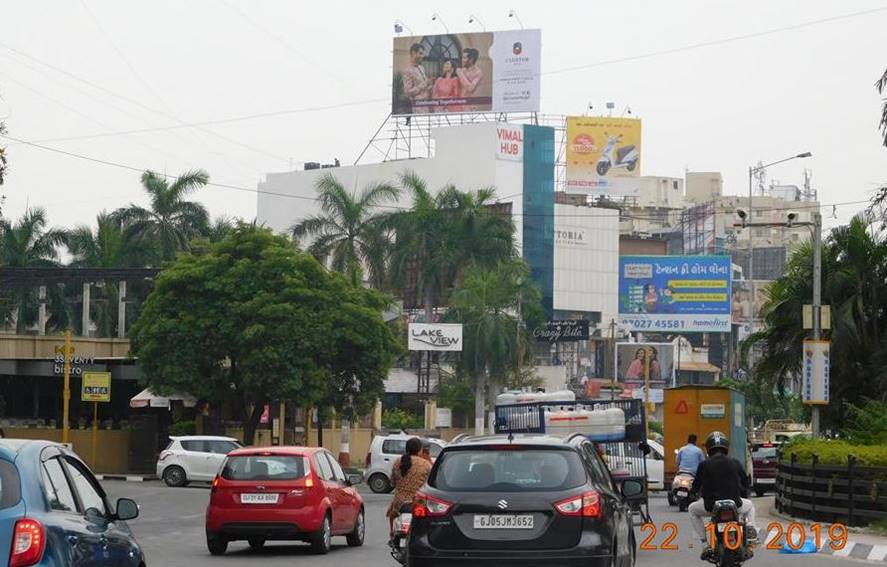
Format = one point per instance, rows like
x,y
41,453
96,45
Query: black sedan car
x,y
522,500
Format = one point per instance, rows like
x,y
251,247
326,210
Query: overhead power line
x,y
391,207
136,102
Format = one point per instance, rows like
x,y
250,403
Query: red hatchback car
x,y
283,493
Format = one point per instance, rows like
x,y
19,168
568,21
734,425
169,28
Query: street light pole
x,y
817,300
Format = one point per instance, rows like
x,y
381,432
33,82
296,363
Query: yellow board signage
x,y
603,155
96,387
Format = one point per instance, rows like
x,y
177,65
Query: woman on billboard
x,y
447,86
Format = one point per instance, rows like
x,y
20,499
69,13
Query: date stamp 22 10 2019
x,y
794,535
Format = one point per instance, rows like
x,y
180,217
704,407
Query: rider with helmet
x,y
720,477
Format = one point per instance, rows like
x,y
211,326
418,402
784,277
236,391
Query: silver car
x,y
193,458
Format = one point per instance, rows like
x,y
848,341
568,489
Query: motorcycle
x,y
681,494
731,547
626,156
401,533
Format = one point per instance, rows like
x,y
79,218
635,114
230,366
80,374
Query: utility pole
x,y
611,358
817,300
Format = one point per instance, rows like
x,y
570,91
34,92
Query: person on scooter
x,y
690,456
408,475
720,477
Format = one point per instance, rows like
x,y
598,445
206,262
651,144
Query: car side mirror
x,y
632,488
127,509
644,447
354,479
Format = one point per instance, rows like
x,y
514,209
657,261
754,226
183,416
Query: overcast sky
x,y
76,68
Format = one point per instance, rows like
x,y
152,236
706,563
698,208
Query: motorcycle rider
x,y
720,477
690,456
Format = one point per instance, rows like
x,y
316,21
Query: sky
x,y
320,72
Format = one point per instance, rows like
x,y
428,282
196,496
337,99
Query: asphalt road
x,y
170,530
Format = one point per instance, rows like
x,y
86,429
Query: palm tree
x,y
106,246
29,244
854,275
171,221
492,305
220,229
348,233
444,234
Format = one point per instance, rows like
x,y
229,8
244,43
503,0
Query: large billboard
x,y
688,294
603,155
467,72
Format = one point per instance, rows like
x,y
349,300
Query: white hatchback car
x,y
384,451
193,458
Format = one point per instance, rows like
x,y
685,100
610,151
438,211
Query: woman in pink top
x,y
447,86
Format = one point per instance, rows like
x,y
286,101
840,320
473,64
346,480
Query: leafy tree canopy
x,y
253,320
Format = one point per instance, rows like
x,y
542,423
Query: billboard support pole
x,y
817,300
612,359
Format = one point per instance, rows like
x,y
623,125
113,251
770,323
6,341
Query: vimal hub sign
x,y
689,294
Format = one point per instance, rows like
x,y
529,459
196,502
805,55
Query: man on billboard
x,y
416,84
469,73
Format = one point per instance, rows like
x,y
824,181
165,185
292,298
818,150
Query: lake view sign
x,y
439,336
562,331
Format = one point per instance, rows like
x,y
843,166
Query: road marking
x,y
847,549
879,553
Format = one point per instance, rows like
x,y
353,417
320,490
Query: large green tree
x,y
444,234
170,221
492,305
251,320
349,232
28,243
854,278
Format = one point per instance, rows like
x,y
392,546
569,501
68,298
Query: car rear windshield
x,y
512,470
264,467
10,485
764,453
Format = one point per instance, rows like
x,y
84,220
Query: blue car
x,y
54,513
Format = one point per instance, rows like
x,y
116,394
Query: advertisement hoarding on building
x,y
603,155
467,72
437,336
634,360
675,293
817,372
572,330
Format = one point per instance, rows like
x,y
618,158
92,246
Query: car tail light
x,y
164,454
425,506
216,482
587,505
28,542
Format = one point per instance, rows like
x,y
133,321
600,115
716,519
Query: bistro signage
x,y
562,331
439,336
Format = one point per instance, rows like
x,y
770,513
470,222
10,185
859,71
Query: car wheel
x,y
671,500
355,538
322,540
379,483
216,544
175,476
683,505
256,543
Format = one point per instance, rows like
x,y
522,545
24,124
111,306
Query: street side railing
x,y
845,493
